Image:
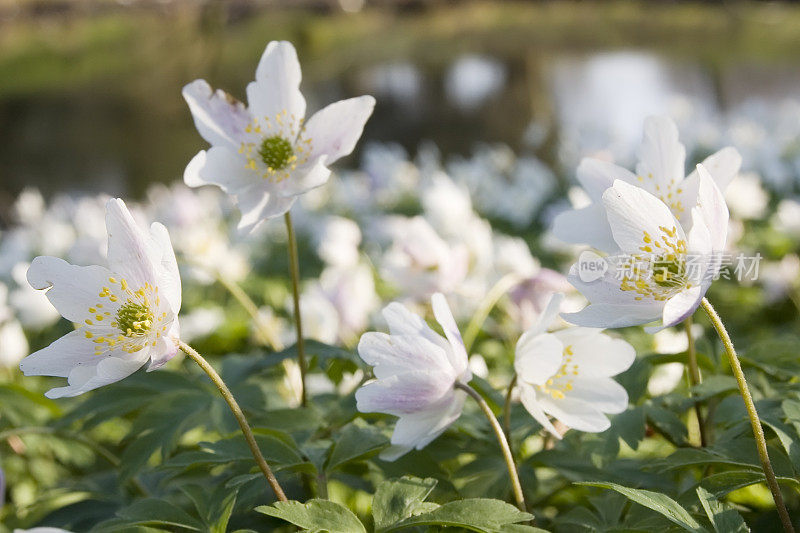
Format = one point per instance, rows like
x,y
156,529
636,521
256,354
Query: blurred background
x,y
90,89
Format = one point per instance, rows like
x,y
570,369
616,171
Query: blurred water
x,y
101,138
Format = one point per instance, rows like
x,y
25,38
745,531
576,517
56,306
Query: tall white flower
x,y
125,315
661,275
660,172
567,374
266,154
416,371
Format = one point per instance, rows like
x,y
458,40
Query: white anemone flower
x,y
266,154
567,374
660,172
661,275
416,370
125,315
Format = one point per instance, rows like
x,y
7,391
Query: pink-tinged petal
x,y
60,357
443,315
165,349
277,86
595,353
395,354
222,167
131,251
417,430
713,208
602,315
587,225
531,404
403,322
548,316
596,175
169,278
538,357
109,370
220,118
632,211
258,205
602,393
576,414
682,305
722,166
405,393
606,290
72,290
335,129
661,156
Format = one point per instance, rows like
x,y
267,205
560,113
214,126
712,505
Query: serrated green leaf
x,y
661,503
315,516
723,516
357,440
478,514
154,512
397,499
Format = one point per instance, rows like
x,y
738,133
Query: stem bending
x,y
758,431
501,438
294,266
240,418
695,379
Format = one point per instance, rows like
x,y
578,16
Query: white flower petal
x,y
443,315
585,225
661,156
403,322
131,251
277,86
258,205
222,167
169,278
682,305
405,393
60,357
712,206
165,348
603,315
304,178
575,414
548,316
109,370
538,357
417,430
335,129
394,354
220,119
531,403
602,393
595,353
72,289
596,175
722,166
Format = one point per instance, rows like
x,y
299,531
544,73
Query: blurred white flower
x,y
529,298
13,344
780,278
201,322
472,79
339,241
265,155
787,217
567,374
31,307
416,371
664,288
665,378
746,198
126,315
660,172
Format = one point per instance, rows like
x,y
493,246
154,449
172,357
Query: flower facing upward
x,y
660,172
567,374
416,370
125,315
662,274
266,154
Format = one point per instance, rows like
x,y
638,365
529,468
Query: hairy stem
x,y
695,379
507,407
758,431
501,439
294,266
239,415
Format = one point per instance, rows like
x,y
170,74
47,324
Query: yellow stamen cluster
x,y
133,322
563,379
279,147
670,194
662,273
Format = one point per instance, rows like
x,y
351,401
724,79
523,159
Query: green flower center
x,y
134,319
276,152
669,271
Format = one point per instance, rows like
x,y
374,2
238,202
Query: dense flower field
x,y
452,368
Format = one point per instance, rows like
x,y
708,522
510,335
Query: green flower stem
x,y
507,407
502,286
501,439
264,328
695,379
239,415
294,265
758,431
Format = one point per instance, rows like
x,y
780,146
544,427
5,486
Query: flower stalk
x,y
694,380
294,267
501,439
239,415
758,431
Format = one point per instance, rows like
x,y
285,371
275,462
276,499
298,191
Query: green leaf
x,y
661,503
478,514
154,512
357,440
668,424
723,516
397,499
316,516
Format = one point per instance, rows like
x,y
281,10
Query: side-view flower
x,y
125,315
416,372
663,274
567,374
266,154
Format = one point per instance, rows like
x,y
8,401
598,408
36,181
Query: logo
x,y
591,266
